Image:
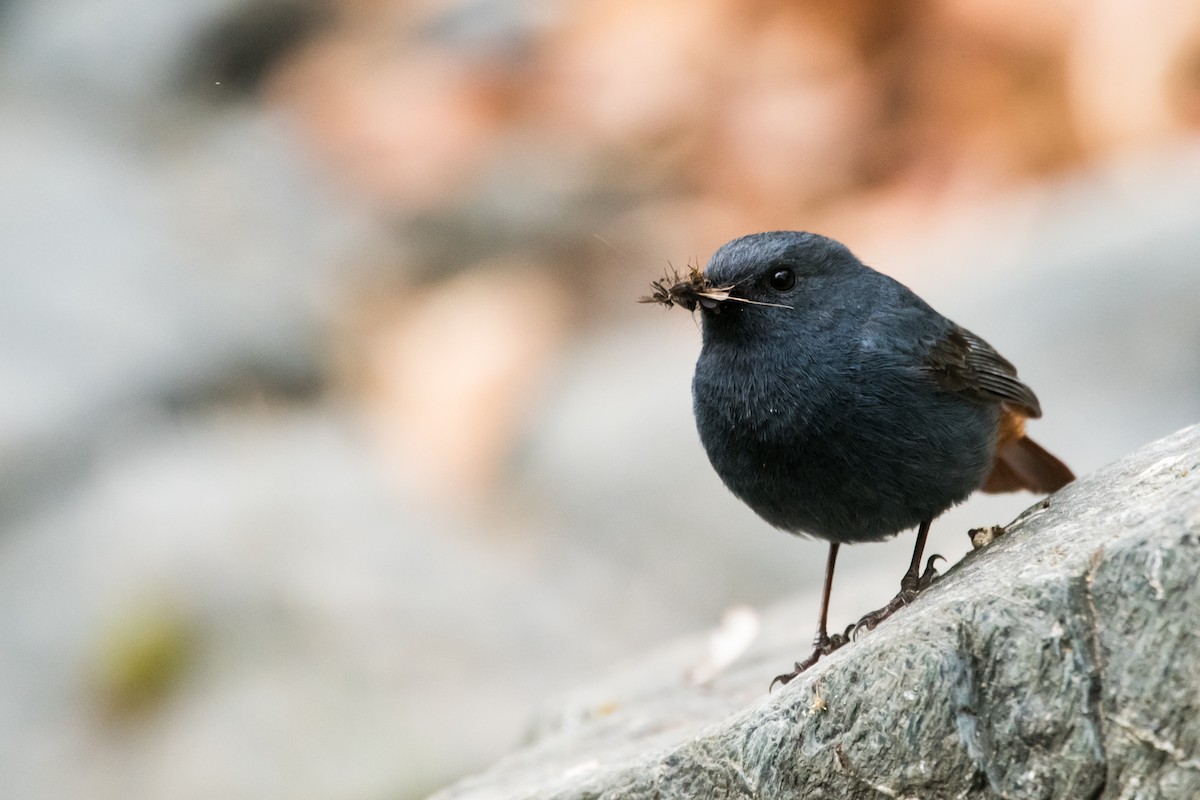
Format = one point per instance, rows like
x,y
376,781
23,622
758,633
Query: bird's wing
x,y
962,362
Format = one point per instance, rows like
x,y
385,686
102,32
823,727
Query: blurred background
x,y
332,442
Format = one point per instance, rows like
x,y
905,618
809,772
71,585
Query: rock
x,y
159,252
255,592
1060,661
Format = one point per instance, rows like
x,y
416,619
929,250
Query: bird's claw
x,y
915,583
823,646
930,574
910,587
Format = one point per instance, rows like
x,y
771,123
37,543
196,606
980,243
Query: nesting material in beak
x,y
693,289
687,290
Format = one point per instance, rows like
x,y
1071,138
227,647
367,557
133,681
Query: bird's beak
x,y
712,300
694,289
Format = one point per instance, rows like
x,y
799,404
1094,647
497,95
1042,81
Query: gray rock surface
x,y
321,639
1061,661
159,251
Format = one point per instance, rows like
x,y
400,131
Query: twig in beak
x,y
692,289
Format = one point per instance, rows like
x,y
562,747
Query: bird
x,y
837,404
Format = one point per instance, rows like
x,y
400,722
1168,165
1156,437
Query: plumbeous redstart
x,y
835,402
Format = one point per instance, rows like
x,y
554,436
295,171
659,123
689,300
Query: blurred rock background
x,y
332,443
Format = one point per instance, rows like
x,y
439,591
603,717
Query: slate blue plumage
x,y
820,416
836,403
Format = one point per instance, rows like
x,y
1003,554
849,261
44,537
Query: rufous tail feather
x,y
1022,463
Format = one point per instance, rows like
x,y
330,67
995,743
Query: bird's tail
x,y
1021,463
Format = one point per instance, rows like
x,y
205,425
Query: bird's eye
x,y
783,279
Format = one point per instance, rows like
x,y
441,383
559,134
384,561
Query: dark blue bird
x,y
835,402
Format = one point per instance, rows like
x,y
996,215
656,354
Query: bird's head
x,y
759,275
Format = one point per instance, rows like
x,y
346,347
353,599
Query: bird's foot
x,y
910,586
822,646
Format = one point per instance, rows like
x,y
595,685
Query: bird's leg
x,y
824,644
911,584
